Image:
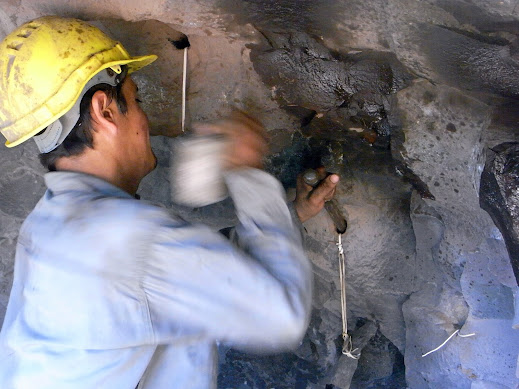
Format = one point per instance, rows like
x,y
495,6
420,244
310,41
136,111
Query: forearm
x,y
268,232
256,293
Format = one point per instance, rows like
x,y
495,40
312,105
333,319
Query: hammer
x,y
311,178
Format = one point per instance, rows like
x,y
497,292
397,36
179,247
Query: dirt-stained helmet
x,y
46,66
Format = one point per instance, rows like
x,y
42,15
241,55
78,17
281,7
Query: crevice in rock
x,y
417,183
374,372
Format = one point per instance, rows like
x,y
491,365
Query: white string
x,y
347,348
449,338
184,79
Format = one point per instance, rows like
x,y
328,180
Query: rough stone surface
x,y
330,80
21,186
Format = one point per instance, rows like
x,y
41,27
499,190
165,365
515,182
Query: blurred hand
x,y
246,139
309,201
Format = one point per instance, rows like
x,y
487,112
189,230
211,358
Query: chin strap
x,y
347,348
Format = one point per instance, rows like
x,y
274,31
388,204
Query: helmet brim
x,y
135,63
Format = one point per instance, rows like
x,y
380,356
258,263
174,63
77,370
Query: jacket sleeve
x,y
254,294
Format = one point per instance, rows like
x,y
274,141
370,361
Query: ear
x,y
103,111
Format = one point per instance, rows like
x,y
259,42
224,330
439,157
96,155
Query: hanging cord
x,y
182,43
347,348
184,87
449,338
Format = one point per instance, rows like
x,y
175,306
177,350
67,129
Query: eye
x,y
138,100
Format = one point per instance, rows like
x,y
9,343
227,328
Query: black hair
x,y
81,135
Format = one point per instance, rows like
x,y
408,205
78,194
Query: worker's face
x,y
135,132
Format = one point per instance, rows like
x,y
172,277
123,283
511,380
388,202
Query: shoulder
x,y
95,218
126,216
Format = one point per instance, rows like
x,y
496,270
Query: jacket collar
x,y
59,182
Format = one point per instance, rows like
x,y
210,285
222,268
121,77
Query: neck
x,y
94,163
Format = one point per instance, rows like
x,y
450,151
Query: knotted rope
x,y
347,348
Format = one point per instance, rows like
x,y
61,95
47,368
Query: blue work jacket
x,y
112,292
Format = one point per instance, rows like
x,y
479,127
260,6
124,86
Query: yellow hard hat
x,y
44,66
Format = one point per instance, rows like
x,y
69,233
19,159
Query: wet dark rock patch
x,y
350,88
499,195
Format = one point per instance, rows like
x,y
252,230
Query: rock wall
x,y
403,98
470,283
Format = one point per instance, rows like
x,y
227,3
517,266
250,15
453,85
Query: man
x,y
113,292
